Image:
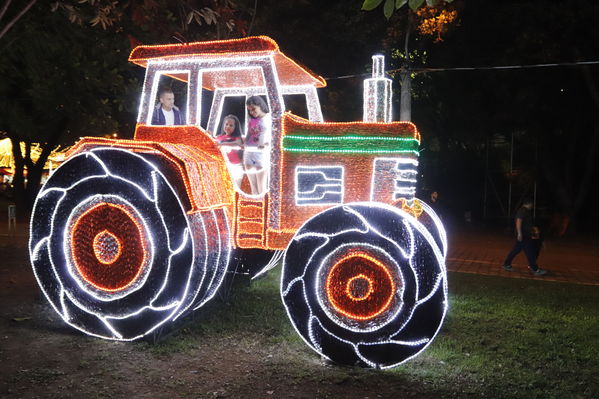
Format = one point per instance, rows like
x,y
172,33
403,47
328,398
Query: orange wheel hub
x,y
108,247
360,286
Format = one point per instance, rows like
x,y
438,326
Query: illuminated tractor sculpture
x,y
130,235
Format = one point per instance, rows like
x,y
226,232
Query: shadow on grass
x,y
507,338
502,338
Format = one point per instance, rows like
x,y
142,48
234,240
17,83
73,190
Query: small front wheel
x,y
365,283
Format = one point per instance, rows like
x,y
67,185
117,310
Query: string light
x,y
391,241
318,185
180,265
107,247
377,93
128,235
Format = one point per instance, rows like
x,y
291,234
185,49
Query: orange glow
x,y
351,288
414,210
249,223
202,175
118,272
341,286
393,129
105,239
290,73
435,21
358,167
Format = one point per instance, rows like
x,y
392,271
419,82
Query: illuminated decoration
x,y
377,93
98,237
359,287
35,150
272,263
429,219
107,247
393,178
365,283
351,144
114,251
220,94
131,235
435,20
318,185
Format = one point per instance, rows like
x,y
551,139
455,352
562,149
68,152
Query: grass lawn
x,y
502,338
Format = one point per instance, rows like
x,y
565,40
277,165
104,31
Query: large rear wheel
x,y
111,246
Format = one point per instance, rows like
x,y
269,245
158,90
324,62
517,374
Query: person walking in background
x,y
435,203
524,240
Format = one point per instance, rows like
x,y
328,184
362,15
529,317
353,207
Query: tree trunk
x,y
405,107
25,192
18,180
405,111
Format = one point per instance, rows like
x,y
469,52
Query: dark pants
x,y
530,250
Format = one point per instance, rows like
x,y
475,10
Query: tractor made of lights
x,y
130,235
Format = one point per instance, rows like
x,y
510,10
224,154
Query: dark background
x,y
490,136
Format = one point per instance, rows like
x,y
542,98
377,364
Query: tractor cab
x,y
213,79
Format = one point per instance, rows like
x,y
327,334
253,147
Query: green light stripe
x,y
350,144
341,138
356,151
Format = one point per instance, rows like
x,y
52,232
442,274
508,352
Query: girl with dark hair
x,y
231,144
256,157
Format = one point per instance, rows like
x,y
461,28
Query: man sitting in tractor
x,y
166,112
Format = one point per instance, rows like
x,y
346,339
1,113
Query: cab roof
x,y
290,73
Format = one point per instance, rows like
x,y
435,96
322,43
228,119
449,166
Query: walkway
x,y
571,259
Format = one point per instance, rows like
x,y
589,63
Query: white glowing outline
x,y
274,261
193,268
196,66
35,249
337,319
318,170
438,225
399,172
377,109
220,95
409,221
154,92
210,295
278,92
274,93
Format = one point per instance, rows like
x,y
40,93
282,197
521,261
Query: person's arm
x,y
155,117
234,143
519,228
266,131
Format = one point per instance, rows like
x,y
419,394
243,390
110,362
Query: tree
x,y
15,17
551,112
94,74
431,18
51,96
161,20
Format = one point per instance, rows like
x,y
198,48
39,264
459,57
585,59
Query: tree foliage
x,y
9,16
550,112
390,6
186,20
52,96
